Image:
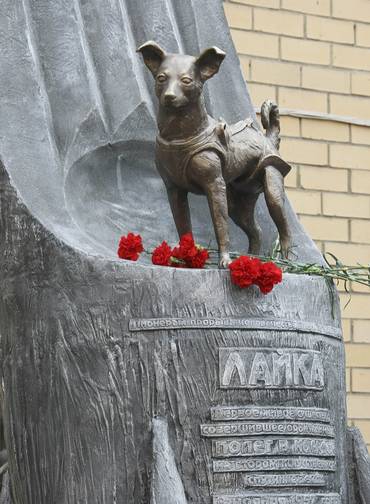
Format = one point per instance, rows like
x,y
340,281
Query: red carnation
x,y
130,247
186,248
188,254
269,276
200,259
245,271
161,255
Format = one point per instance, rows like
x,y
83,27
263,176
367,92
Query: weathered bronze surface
x,y
231,165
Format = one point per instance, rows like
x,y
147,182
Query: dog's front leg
x,y
206,169
178,199
217,201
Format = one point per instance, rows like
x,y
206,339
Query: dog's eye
x,y
162,78
186,80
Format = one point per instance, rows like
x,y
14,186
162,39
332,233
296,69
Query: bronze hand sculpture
x,y
231,165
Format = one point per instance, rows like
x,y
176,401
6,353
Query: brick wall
x,y
313,58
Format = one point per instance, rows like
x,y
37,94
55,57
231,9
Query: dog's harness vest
x,y
176,154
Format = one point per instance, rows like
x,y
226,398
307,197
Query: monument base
x,y
129,383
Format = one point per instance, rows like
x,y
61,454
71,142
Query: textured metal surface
x,y
78,138
77,379
91,408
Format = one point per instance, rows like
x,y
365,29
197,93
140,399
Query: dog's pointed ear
x,y
153,55
209,62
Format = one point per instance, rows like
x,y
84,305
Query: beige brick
x,y
346,327
290,126
358,355
305,202
361,331
363,35
279,22
346,205
260,92
304,151
325,228
358,405
350,156
351,57
291,180
245,64
357,306
256,44
321,28
364,426
325,130
321,7
361,377
273,4
360,134
305,51
326,179
361,83
352,106
275,72
353,9
238,16
303,100
360,231
335,81
351,255
359,287
360,182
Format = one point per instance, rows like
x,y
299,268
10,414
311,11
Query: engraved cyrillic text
x,y
276,368
263,428
273,446
253,498
225,413
274,464
284,480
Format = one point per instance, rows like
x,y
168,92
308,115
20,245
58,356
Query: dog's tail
x,y
270,119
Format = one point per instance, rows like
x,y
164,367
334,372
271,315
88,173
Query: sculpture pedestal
x,y
129,383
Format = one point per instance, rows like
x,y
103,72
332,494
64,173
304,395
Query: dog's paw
x,y
224,261
286,247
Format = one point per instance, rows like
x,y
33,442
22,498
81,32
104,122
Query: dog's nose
x,y
169,97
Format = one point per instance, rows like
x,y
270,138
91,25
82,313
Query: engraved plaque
x,y
273,446
265,428
284,480
274,464
253,498
271,368
160,324
224,413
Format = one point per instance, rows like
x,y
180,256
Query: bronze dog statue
x,y
231,165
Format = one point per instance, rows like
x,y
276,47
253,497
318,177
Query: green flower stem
x,y
358,274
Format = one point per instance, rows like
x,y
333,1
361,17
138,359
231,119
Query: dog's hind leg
x,y
178,199
275,200
242,211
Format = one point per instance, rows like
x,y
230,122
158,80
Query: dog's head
x,y
179,78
